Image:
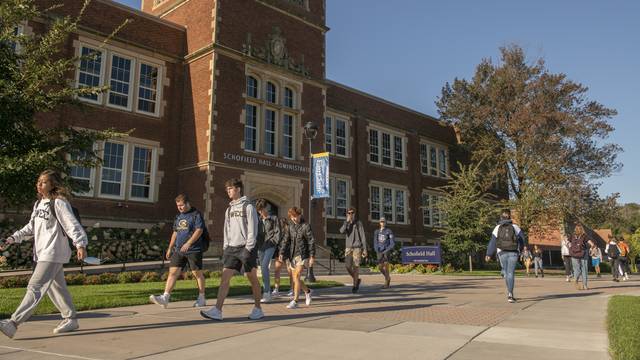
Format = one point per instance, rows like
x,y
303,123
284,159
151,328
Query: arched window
x,y
288,97
252,87
271,92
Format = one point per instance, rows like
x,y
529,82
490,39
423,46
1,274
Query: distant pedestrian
x,y
566,257
268,240
383,243
526,259
624,260
596,258
355,246
51,225
537,260
579,256
239,249
185,248
302,248
282,261
510,239
613,253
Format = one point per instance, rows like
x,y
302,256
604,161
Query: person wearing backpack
x,y
526,258
624,260
566,258
579,251
268,240
510,239
186,246
51,234
596,258
613,253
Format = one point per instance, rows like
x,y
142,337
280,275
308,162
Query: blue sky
x,y
405,51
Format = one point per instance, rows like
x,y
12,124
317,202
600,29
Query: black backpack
x,y
506,239
614,251
76,214
205,238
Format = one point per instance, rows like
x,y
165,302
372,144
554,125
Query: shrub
x,y
150,276
215,274
206,273
164,276
448,268
92,280
75,279
128,277
108,278
14,281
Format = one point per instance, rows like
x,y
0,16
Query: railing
x,y
332,260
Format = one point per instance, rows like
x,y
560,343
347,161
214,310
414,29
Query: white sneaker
x,y
292,305
8,328
568,279
213,313
66,325
275,293
290,294
266,298
307,298
256,314
159,300
201,302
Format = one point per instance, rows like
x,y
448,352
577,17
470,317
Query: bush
x,y
150,276
215,274
92,280
14,281
448,268
164,276
75,279
108,278
128,277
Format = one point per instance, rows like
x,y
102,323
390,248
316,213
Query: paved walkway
x,y
420,317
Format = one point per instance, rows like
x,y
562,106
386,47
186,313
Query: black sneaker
x,y
358,284
511,299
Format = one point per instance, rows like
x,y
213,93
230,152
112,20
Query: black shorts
x,y
179,259
383,258
238,257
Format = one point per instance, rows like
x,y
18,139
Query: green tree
x,y
634,249
537,131
35,80
470,215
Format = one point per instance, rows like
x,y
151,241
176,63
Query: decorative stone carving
x,y
275,52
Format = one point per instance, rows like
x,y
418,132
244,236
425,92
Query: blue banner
x,y
320,171
421,254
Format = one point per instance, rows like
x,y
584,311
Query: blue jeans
x,y
537,264
580,268
508,261
265,258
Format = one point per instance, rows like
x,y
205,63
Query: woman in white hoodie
x,y
52,221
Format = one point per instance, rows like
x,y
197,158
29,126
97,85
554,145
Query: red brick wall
x,y
197,16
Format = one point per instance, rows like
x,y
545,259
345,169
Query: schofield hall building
x,y
222,89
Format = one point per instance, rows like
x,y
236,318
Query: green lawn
x,y
88,297
623,322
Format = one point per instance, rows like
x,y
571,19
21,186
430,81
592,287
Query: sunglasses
x,y
350,212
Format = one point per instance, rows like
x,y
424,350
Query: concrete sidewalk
x,y
422,317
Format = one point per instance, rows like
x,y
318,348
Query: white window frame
x,y
92,178
284,97
257,87
275,92
275,132
103,66
292,136
158,88
152,174
381,132
438,148
257,127
332,201
394,189
19,30
132,82
123,177
331,137
434,211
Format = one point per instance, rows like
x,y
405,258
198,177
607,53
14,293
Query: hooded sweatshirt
x,y
240,226
492,247
50,243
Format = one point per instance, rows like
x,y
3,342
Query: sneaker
x,y
511,299
266,298
387,283
358,284
292,305
290,294
256,314
275,293
66,325
201,302
213,313
307,298
159,300
8,327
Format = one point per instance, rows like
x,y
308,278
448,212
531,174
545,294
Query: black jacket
x,y
298,241
268,233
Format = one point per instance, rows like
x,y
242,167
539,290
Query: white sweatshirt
x,y
50,243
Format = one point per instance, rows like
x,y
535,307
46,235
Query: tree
x,y
469,215
634,249
536,130
35,81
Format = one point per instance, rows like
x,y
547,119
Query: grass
x,y
90,297
623,320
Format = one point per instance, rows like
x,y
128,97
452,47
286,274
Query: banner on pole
x,y
320,175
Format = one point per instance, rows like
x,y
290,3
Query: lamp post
x,y
310,133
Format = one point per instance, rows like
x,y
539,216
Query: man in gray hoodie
x,y
355,246
239,249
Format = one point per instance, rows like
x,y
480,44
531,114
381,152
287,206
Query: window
x,y
271,92
386,149
426,209
287,136
270,132
120,81
15,45
81,174
112,167
288,98
336,135
90,72
250,127
431,214
148,88
338,202
388,202
252,87
434,160
141,172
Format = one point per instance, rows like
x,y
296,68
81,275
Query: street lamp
x,y
310,133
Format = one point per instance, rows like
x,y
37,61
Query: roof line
x,y
143,14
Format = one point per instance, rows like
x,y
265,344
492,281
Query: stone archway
x,y
282,192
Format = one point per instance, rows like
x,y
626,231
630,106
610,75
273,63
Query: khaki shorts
x,y
296,261
353,257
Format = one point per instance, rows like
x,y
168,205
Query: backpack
x,y
506,239
623,250
576,248
76,214
613,251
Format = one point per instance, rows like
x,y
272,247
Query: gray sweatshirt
x,y
50,243
240,224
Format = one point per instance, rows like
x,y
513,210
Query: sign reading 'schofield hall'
x,y
420,254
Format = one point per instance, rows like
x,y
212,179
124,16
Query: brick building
x,y
222,89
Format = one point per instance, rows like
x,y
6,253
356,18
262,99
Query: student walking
x,y
526,258
623,260
186,247
596,258
566,257
52,224
268,240
537,260
302,249
510,239
613,253
579,256
281,261
383,243
355,246
239,249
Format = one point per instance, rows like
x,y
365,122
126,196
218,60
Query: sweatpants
x,y
47,278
